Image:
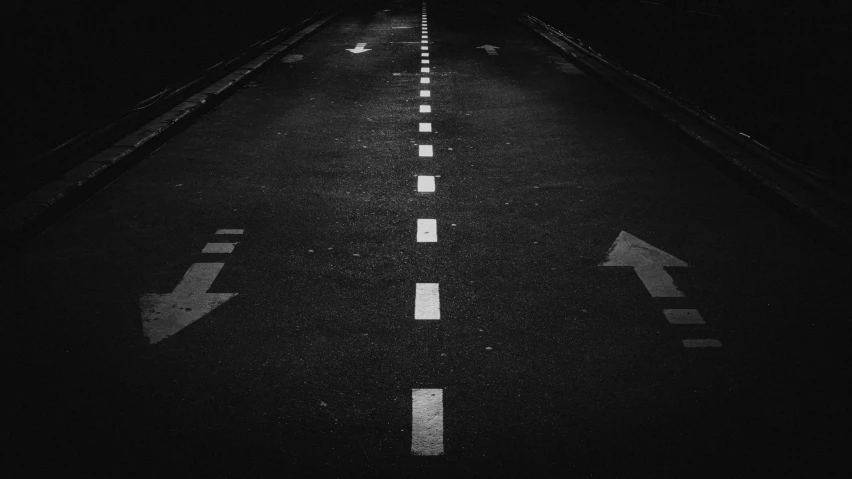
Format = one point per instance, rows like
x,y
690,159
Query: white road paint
x,y
427,231
702,343
490,49
424,69
424,41
165,314
292,58
359,48
425,62
425,184
683,316
425,150
424,80
229,232
427,304
219,248
424,48
427,422
425,93
425,109
648,262
425,55
425,127
424,37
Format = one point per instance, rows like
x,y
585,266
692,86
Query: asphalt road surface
x,y
591,299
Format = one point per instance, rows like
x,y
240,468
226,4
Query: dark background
x,y
777,70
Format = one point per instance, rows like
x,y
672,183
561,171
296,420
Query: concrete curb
x,y
754,166
39,209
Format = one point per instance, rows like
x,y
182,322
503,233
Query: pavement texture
x,y
550,365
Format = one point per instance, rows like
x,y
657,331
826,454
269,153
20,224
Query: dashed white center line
x,y
425,150
425,109
424,80
425,93
229,232
427,304
219,248
425,184
427,231
424,69
427,422
425,62
683,316
424,48
425,127
424,41
424,55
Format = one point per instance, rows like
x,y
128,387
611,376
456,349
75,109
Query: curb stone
x,y
40,208
823,213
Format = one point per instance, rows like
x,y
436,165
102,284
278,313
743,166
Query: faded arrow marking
x,y
648,262
490,49
359,48
165,314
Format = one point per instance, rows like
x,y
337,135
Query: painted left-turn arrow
x,y
359,48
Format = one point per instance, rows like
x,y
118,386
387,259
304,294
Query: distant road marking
x,y
425,62
427,304
425,184
425,150
425,109
683,316
424,37
165,314
359,48
702,343
427,231
425,55
229,232
490,49
424,41
425,93
425,127
218,248
427,422
424,80
424,69
424,48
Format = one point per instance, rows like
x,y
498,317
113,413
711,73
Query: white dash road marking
x,y
425,62
683,316
425,109
427,231
425,127
427,304
424,41
425,150
424,80
424,70
427,422
229,232
424,48
702,343
219,248
425,184
425,93
165,314
426,55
